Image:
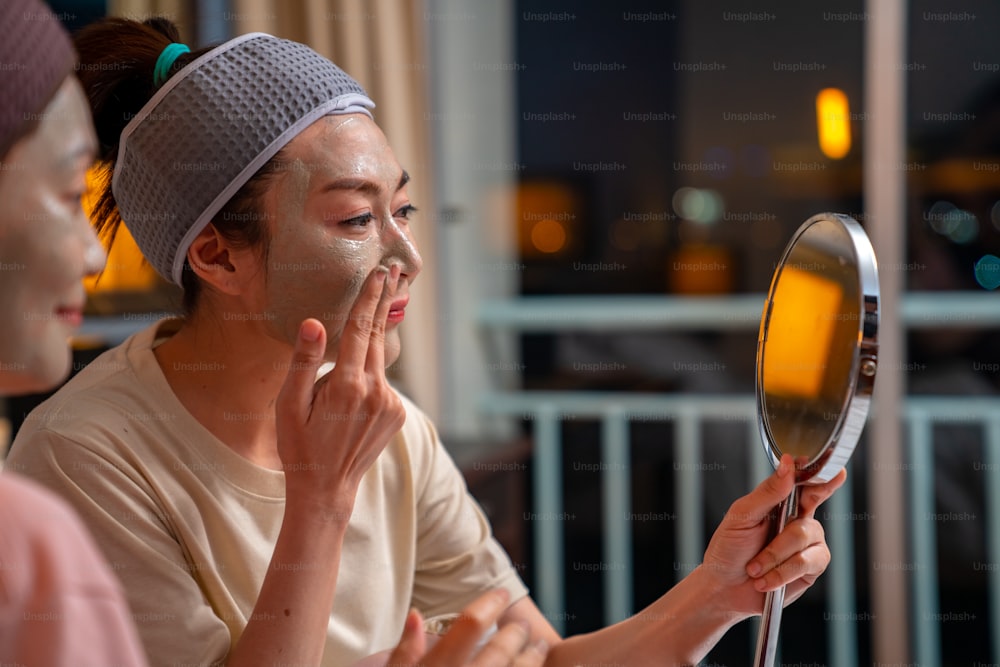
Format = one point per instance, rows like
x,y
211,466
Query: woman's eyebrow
x,y
363,185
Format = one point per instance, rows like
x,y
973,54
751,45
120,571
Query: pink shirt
x,y
59,602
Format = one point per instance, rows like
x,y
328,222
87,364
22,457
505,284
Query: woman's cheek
x,y
342,295
318,278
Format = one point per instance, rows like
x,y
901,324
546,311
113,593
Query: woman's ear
x,y
217,262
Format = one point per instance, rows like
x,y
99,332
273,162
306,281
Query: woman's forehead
x,y
343,146
64,138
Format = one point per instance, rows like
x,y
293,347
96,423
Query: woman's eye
x,y
405,212
359,221
362,220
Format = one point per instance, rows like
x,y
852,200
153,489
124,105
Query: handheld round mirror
x,y
817,354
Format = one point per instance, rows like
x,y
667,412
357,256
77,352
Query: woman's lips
x,y
71,315
397,311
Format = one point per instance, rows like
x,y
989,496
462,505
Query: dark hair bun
x,y
117,59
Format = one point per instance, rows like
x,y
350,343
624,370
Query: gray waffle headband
x,y
210,127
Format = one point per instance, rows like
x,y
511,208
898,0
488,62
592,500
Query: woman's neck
x,y
228,375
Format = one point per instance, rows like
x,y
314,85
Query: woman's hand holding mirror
x,y
797,556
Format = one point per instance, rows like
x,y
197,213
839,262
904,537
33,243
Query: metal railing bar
x,y
991,486
951,409
926,631
842,624
549,519
633,313
921,310
689,498
637,406
617,534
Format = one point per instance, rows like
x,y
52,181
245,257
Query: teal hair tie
x,y
168,56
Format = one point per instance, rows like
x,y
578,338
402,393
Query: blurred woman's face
x,y
46,243
336,212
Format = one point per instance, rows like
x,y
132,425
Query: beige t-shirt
x,y
190,526
59,604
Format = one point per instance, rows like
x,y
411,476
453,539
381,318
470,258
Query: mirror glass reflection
x,y
813,330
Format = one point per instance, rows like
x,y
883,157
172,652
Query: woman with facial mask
x,y
242,507
59,602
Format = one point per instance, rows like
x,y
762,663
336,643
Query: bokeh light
x,y
966,227
941,217
701,205
995,215
988,272
548,235
833,122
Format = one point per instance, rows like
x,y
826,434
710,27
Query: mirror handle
x,y
774,601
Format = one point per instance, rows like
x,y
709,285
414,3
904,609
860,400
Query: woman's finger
x,y
804,567
758,505
533,656
356,337
296,395
797,536
812,496
412,644
467,630
375,359
503,647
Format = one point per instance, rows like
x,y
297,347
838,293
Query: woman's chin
x,y
35,375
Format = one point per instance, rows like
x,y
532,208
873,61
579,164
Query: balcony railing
x,y
688,413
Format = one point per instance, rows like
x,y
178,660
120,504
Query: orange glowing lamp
x,y
833,121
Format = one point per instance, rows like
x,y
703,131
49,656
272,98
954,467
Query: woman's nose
x,y
400,248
